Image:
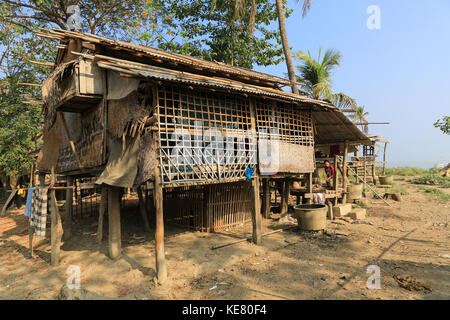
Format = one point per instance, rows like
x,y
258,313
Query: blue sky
x,y
400,73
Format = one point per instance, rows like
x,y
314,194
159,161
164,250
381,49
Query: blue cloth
x,y
28,205
249,173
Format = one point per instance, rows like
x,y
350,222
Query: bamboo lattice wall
x,y
204,136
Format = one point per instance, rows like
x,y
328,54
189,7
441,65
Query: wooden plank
x,y
114,236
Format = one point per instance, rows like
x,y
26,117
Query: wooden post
x,y
345,173
256,211
101,212
56,227
310,187
384,159
285,196
142,209
330,210
69,210
373,172
114,236
266,198
256,200
161,269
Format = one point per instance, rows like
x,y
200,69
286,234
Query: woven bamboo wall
x,y
209,208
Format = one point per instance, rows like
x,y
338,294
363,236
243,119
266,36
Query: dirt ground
x,y
410,238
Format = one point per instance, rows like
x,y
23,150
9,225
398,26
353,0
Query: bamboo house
x,y
196,135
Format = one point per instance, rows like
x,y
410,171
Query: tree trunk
x,y
287,50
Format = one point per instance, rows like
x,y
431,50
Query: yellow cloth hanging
x,y
22,193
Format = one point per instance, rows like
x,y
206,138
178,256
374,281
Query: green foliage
x,y
219,30
443,125
20,122
433,179
400,189
406,171
438,194
315,77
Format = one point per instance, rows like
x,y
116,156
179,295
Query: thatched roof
x,y
331,125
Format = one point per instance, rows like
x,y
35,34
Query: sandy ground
x,y
410,238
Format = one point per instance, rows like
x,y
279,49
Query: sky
x,y
400,73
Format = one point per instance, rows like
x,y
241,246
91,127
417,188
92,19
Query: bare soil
x,y
407,239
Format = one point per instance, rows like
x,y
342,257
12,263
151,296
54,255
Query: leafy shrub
x,y
433,179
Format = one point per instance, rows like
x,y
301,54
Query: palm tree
x,y
360,118
315,77
284,40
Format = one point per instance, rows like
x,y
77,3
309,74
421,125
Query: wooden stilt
x,y
69,210
345,173
384,159
114,235
310,187
101,212
142,209
285,196
256,211
266,198
161,269
30,239
56,226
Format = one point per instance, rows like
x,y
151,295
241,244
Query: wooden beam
x,y
114,236
47,64
29,84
